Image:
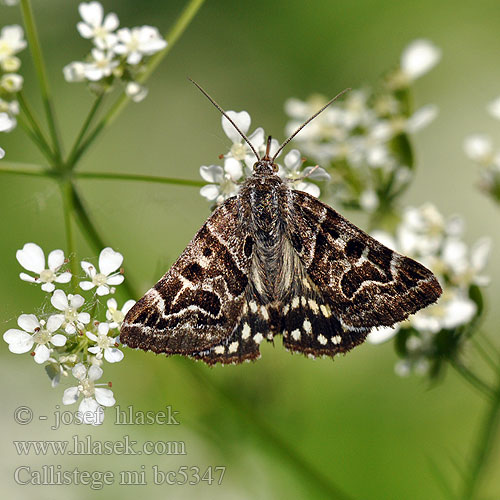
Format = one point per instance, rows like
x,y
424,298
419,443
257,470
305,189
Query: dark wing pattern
x,y
363,283
199,302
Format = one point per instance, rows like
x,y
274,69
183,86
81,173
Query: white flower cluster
x,y
480,149
118,54
71,338
362,137
11,42
238,163
436,242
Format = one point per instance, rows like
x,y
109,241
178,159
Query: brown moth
x,y
275,261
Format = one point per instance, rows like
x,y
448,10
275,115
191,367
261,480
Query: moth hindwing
x,y
273,261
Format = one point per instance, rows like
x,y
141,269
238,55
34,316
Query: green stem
x,y
25,169
86,124
43,147
68,209
137,177
172,36
35,124
36,52
484,446
473,379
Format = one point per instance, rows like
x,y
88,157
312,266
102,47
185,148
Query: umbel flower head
x,y
363,140
117,55
71,333
435,333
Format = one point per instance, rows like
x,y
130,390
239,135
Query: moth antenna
x,y
205,93
340,94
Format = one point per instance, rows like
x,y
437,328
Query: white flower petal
x,y
102,290
79,371
127,306
91,336
31,257
112,304
89,268
113,355
42,354
48,287
76,301
55,259
91,12
103,328
117,279
109,261
84,317
86,285
210,192
104,396
111,22
28,322
54,322
94,349
479,253
95,372
212,173
242,121
459,312
309,188
89,412
27,277
478,147
19,341
59,300
85,30
70,328
494,108
70,396
58,340
419,57
293,160
63,278
421,118
233,168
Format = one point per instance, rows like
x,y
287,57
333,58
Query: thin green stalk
x,y
42,146
485,355
35,124
172,36
67,198
86,124
484,446
25,169
137,177
473,379
36,53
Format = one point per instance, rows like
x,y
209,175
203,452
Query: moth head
x,y
266,165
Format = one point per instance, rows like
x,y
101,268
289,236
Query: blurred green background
x,y
354,421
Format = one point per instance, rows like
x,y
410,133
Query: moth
x,y
276,261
